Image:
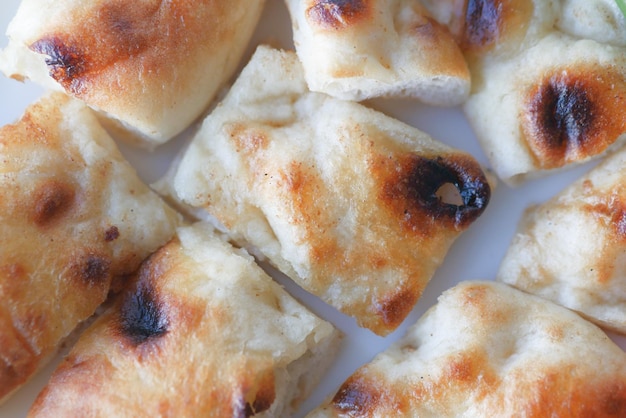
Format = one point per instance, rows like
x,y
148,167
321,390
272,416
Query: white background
x,y
475,255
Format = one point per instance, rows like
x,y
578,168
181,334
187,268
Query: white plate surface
x,y
475,255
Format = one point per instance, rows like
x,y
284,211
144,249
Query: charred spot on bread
x,y
111,234
258,406
562,112
417,181
572,114
256,393
74,61
65,62
356,397
52,199
91,268
482,21
336,14
485,24
265,395
142,316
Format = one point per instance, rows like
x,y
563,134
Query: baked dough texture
x,y
359,49
74,221
548,80
341,198
151,67
571,249
485,350
201,332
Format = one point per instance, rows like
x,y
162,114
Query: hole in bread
x,y
449,194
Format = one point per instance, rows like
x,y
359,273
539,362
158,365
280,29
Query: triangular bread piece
x,y
348,202
201,331
486,350
74,221
571,249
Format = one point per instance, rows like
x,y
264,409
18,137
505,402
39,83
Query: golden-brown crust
x,y
113,34
182,340
471,379
360,49
151,68
142,331
341,198
62,244
610,209
574,113
444,56
51,199
407,209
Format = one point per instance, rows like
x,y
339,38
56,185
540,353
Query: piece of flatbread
x,y
151,67
202,331
548,80
360,49
572,248
487,350
74,220
341,198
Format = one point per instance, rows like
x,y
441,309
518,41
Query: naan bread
x,y
74,220
572,248
202,332
150,66
341,198
359,49
489,350
548,80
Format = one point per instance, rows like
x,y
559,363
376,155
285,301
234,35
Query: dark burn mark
x,y
256,408
142,317
66,63
256,393
482,21
335,14
111,234
562,114
248,411
266,394
263,391
51,200
421,178
574,113
491,25
91,269
356,397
